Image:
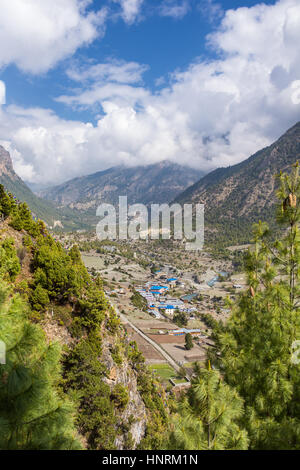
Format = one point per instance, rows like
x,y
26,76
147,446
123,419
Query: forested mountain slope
x,y
237,196
103,378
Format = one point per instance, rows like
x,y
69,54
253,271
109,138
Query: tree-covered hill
x,y
100,381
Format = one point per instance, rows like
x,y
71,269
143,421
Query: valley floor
x,y
199,286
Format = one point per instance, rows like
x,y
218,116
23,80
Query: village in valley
x,y
163,296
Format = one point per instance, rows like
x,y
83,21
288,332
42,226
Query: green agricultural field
x,y
188,364
165,372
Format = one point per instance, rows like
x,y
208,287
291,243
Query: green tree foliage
x,y
62,274
158,419
84,374
138,301
189,344
256,345
6,202
180,319
16,222
120,396
135,356
182,372
154,399
9,262
60,279
91,309
39,298
19,214
209,416
21,219
34,415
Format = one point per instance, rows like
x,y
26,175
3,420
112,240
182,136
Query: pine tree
x,y
209,416
9,262
84,373
256,347
6,203
34,415
188,342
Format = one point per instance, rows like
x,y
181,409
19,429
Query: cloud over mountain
x,y
215,113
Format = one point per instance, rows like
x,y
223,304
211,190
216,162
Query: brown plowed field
x,y
151,355
167,339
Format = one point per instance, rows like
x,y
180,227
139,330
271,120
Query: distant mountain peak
x,y
165,163
148,184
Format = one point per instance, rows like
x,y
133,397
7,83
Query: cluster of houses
x,y
159,302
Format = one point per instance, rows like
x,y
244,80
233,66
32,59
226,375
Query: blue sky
x,y
90,84
164,43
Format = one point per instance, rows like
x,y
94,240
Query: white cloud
x,y
213,114
112,81
20,167
116,71
96,95
211,9
174,8
2,93
130,9
36,34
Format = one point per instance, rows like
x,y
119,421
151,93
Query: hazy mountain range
x,y
157,183
234,197
74,203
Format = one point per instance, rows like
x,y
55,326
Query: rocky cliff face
x,y
135,411
6,166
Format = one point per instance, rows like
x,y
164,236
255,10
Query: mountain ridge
x,y
239,195
156,183
14,184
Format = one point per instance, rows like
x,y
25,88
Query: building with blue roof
x,y
156,290
158,287
185,331
169,309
